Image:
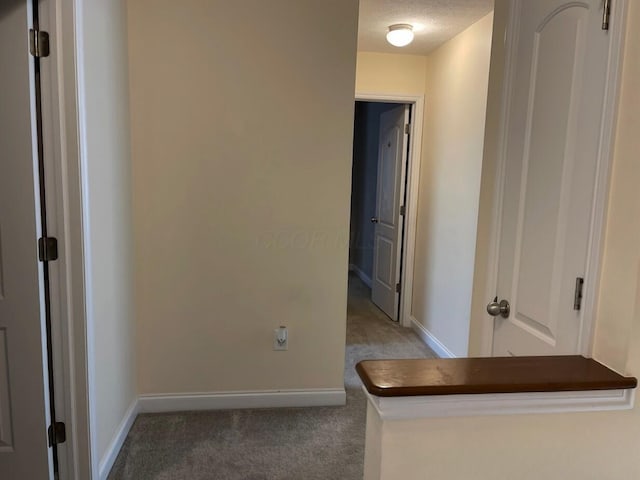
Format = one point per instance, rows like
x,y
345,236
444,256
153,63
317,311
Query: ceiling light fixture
x,y
400,34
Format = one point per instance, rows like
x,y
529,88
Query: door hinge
x,y
57,433
606,14
402,210
407,128
398,288
38,43
47,249
577,294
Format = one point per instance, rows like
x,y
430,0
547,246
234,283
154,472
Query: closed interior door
x,y
392,152
552,143
24,452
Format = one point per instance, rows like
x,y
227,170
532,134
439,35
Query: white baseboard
x,y
233,400
432,342
366,279
108,459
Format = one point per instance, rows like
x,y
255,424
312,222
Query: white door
x,y
552,142
392,160
24,452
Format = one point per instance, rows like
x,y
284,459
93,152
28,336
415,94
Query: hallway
x,y
284,444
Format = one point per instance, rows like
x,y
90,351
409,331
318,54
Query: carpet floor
x,y
324,443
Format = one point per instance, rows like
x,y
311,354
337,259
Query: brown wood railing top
x,y
400,378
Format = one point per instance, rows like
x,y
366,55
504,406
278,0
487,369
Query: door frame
x,y
618,25
410,219
62,112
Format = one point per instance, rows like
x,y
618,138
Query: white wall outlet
x,y
281,338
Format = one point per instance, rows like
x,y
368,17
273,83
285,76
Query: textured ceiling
x,y
434,21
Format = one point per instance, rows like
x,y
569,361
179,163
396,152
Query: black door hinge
x,y
577,294
606,14
47,249
57,433
398,288
38,43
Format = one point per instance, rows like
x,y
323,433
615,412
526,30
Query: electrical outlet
x,y
281,339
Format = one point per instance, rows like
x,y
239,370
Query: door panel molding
x,y
559,10
544,253
387,279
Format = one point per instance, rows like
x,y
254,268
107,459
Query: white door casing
x,y
552,143
24,451
392,159
416,104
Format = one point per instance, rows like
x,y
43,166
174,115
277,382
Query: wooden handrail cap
x,y
460,376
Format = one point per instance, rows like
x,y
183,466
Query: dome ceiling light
x,y
400,34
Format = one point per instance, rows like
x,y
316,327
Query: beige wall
x,y
455,107
385,73
585,446
108,171
242,133
577,446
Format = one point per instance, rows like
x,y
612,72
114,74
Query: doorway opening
x,y
378,201
385,266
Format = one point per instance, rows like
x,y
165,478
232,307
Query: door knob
x,y
501,308
374,220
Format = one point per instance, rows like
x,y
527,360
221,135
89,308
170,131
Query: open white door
x,y
552,139
392,160
24,451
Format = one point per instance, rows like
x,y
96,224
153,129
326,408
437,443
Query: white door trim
x,y
62,107
618,27
413,174
601,193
